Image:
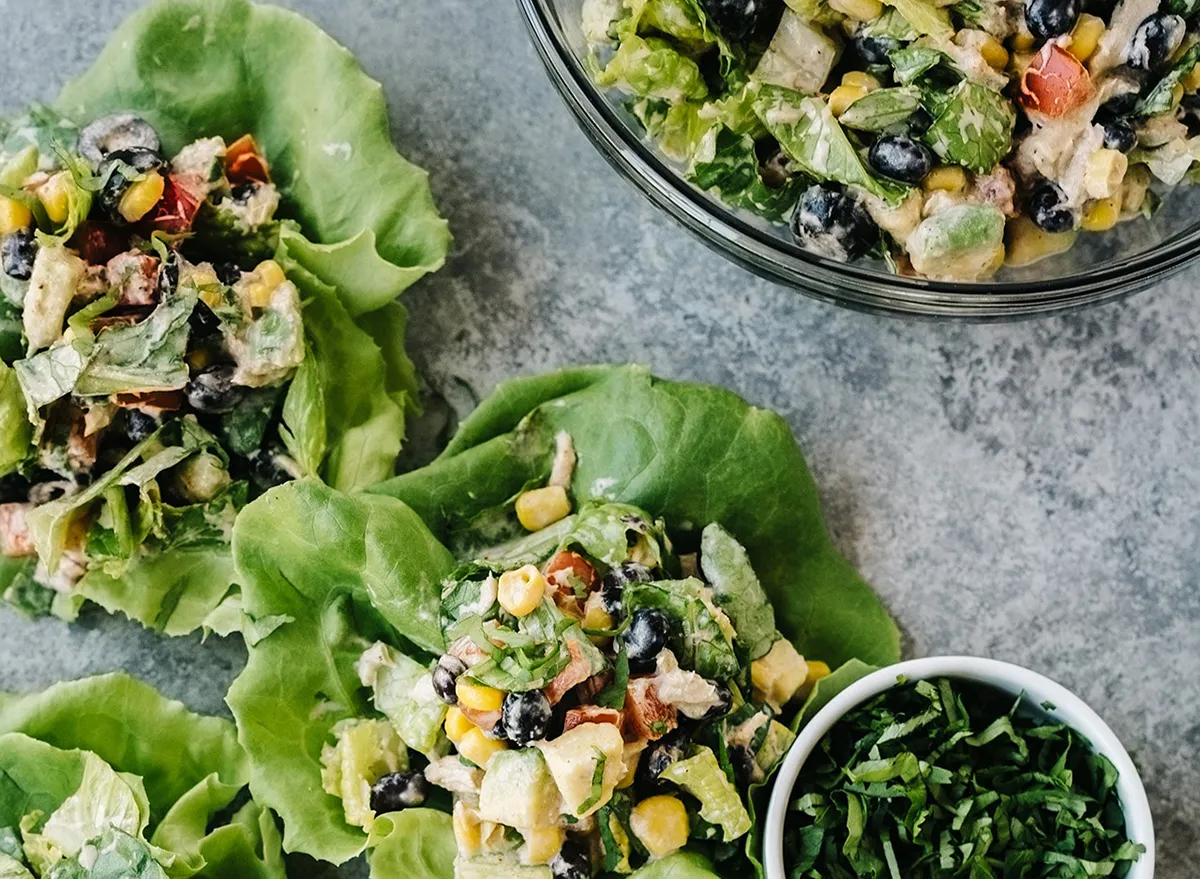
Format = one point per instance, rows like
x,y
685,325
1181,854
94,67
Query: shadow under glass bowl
x,y
1099,268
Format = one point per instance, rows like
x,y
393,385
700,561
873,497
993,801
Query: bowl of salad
x,y
954,766
969,159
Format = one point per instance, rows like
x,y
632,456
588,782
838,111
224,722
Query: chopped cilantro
x,y
597,782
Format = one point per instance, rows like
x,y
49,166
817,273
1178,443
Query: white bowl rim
x,y
1068,708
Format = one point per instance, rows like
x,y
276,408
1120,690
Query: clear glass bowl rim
x,y
849,285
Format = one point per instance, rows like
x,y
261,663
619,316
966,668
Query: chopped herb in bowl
x,y
953,778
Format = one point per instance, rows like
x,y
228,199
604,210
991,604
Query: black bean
x,y
18,252
833,224
398,791
900,158
1048,209
1048,19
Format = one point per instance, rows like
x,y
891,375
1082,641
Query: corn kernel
x,y
55,195
843,96
1101,215
1191,82
1028,244
1023,40
861,10
1104,172
14,216
1176,95
993,53
861,79
542,507
211,297
521,591
457,724
477,697
467,831
661,823
270,273
596,618
542,846
141,197
816,671
479,749
945,178
1086,36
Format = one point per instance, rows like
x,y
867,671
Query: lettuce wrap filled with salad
x,y
201,246
104,778
575,645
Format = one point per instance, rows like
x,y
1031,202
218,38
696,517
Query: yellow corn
x,y
56,198
467,831
1086,36
542,846
457,724
141,197
1023,40
1176,95
946,178
861,10
661,823
478,697
211,297
1191,82
597,618
816,671
993,53
521,591
843,96
266,278
14,216
479,749
1028,244
542,507
861,79
1101,215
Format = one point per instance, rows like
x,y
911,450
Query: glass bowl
x,y
1100,267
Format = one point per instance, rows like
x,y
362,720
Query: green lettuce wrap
x,y
104,777
326,575
357,227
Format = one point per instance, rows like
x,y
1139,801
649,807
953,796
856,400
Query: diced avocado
x,y
965,241
702,777
518,791
778,676
574,760
366,750
737,591
55,279
506,866
778,739
404,692
800,56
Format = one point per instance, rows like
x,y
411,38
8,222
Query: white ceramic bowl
x,y
1069,709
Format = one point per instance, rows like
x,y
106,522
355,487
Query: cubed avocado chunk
x,y
963,242
518,791
365,751
778,676
505,866
404,692
586,762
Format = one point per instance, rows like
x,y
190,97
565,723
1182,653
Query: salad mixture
x,y
103,778
947,138
603,702
160,337
944,778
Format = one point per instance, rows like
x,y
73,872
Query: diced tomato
x,y
176,210
647,717
98,242
565,563
576,672
152,401
485,720
1055,83
591,714
244,162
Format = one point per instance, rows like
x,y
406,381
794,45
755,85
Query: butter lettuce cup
x,y
957,765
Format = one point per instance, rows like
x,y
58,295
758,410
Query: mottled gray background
x,y
1027,492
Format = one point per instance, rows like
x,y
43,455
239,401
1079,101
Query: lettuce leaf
x,y
413,844
15,430
124,754
640,440
228,67
345,571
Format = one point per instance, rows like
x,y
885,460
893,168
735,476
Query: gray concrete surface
x,y
1027,492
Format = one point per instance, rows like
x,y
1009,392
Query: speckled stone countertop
x,y
1029,492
